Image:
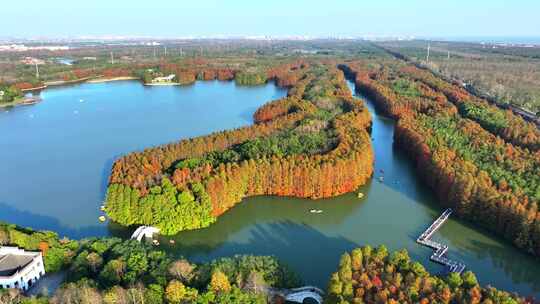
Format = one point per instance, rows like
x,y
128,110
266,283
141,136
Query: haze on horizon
x,y
169,18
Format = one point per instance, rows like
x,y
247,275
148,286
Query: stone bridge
x,y
144,231
306,294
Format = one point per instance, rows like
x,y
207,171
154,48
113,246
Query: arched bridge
x,y
300,295
144,231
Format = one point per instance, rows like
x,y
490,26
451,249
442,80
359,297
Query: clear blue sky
x,y
173,18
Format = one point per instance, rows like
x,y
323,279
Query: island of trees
x,y
313,144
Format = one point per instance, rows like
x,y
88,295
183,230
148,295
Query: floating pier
x,y
439,256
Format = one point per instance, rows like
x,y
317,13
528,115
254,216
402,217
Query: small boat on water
x,y
172,241
381,179
102,208
155,242
102,218
316,211
360,195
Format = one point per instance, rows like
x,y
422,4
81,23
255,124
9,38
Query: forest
x,y
480,160
374,275
114,271
507,73
312,144
9,93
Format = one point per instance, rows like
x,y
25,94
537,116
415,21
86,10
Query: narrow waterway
x,y
393,212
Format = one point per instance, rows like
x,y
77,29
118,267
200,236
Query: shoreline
x,y
163,84
111,79
66,82
34,89
26,101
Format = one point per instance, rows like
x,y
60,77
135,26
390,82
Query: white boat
x,y
315,211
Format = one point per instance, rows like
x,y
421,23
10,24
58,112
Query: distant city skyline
x,y
278,18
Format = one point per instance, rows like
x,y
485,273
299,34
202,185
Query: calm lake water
x,y
56,164
56,155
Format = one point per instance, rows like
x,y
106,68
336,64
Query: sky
x,y
180,18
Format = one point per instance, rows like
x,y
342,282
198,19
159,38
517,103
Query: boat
x,y
102,218
155,242
102,208
381,179
315,211
172,241
360,195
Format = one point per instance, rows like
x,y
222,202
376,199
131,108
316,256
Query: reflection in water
x,y
57,165
259,212
393,212
57,155
9,214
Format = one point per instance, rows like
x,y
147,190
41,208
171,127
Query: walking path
x,y
440,249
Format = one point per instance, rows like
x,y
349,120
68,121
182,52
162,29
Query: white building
x,y
20,269
164,79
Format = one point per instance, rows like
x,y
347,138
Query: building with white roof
x,y
19,268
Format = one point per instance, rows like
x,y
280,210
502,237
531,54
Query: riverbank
x,y
26,101
258,225
34,89
163,84
111,79
66,82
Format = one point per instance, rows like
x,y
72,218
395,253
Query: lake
x,y
58,155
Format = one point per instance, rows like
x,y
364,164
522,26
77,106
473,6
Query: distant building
x,y
24,48
163,79
126,58
32,61
19,268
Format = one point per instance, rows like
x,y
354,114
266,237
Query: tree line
x,y
374,275
113,271
483,175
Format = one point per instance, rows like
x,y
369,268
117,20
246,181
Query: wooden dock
x,y
439,256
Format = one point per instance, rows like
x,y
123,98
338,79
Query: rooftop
x,y
10,262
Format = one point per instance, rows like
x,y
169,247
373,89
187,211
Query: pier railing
x,y
439,256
